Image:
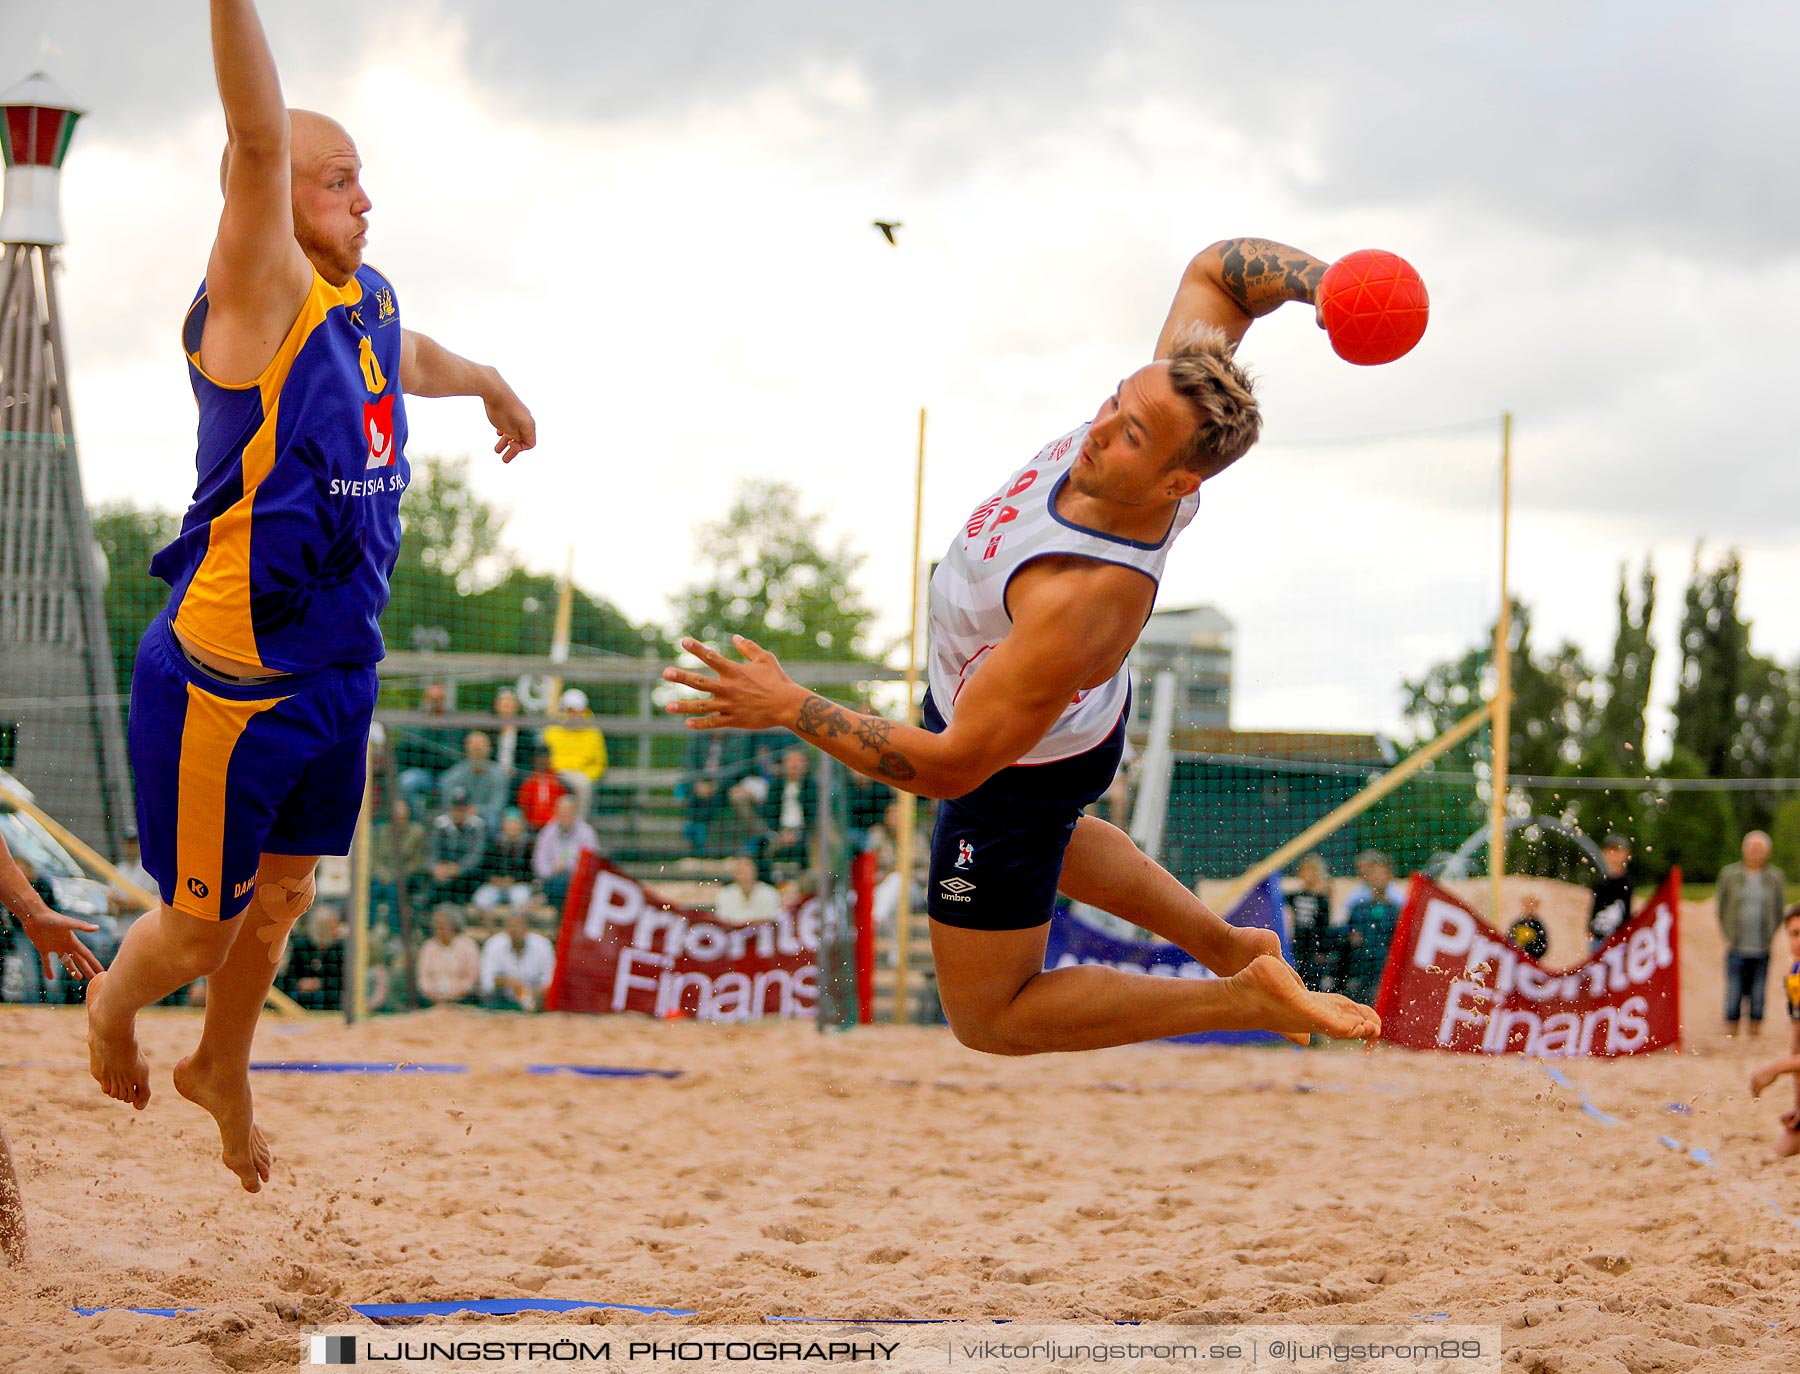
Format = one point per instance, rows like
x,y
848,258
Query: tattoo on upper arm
x,y
1260,275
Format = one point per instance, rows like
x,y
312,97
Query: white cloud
x,y
656,221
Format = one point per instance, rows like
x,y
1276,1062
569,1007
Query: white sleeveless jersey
x,y
1016,525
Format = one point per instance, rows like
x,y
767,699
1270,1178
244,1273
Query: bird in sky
x,y
887,227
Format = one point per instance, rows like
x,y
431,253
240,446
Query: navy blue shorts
x,y
997,853
226,773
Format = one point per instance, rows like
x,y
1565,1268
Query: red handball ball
x,y
1374,306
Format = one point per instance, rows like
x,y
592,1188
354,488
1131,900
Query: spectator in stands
x,y
1368,863
1317,944
422,753
514,745
577,748
459,838
449,962
398,853
477,774
131,869
763,752
1751,897
1369,931
506,868
540,791
314,976
789,810
558,847
1611,906
516,967
746,898
866,804
712,763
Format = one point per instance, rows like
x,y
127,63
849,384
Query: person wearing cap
x,y
1611,906
577,748
458,841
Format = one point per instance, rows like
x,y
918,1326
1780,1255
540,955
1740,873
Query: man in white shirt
x,y
559,847
516,966
744,899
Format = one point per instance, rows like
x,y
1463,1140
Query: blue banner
x,y
1075,941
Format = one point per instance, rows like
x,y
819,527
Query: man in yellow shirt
x,y
577,748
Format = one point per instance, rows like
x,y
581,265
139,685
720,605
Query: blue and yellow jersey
x,y
284,556
1792,986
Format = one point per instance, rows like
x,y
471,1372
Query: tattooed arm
x,y
1236,281
1068,633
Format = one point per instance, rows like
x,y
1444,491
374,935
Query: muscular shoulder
x,y
1081,592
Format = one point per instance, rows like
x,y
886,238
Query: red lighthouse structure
x,y
60,727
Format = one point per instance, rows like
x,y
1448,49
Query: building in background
x,y
1194,642
60,725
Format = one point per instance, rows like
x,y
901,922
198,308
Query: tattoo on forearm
x,y
825,720
1260,275
821,719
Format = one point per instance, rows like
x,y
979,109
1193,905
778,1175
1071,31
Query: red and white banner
x,y
1453,982
623,948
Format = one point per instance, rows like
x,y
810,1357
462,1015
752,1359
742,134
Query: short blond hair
x,y
1227,421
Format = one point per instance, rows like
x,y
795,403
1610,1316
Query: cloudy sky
x,y
655,219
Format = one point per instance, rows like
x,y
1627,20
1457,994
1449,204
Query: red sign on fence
x,y
623,948
1453,982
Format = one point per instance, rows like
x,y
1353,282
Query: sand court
x,y
890,1173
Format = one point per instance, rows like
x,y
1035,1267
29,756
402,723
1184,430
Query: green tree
x,y
1615,748
1715,644
1734,708
1553,698
1694,828
769,575
129,536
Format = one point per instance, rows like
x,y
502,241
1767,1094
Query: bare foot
x,y
1240,946
1279,1001
227,1096
114,1059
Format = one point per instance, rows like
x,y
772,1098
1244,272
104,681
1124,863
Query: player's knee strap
x,y
285,899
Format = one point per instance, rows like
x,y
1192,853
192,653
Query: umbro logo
x,y
956,889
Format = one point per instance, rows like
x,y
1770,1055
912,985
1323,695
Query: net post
x,y
905,839
1501,734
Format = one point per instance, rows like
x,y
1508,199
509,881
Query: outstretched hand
x,y
53,934
754,694
511,421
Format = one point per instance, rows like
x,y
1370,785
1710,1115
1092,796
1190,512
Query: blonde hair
x,y
1227,422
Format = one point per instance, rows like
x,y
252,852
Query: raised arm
x,y
1236,281
427,368
257,276
1067,633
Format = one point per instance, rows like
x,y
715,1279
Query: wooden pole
x,y
145,898
1502,731
904,840
559,635
356,1005
1362,801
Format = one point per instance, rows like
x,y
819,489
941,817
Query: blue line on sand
x,y
602,1071
392,1311
350,1066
